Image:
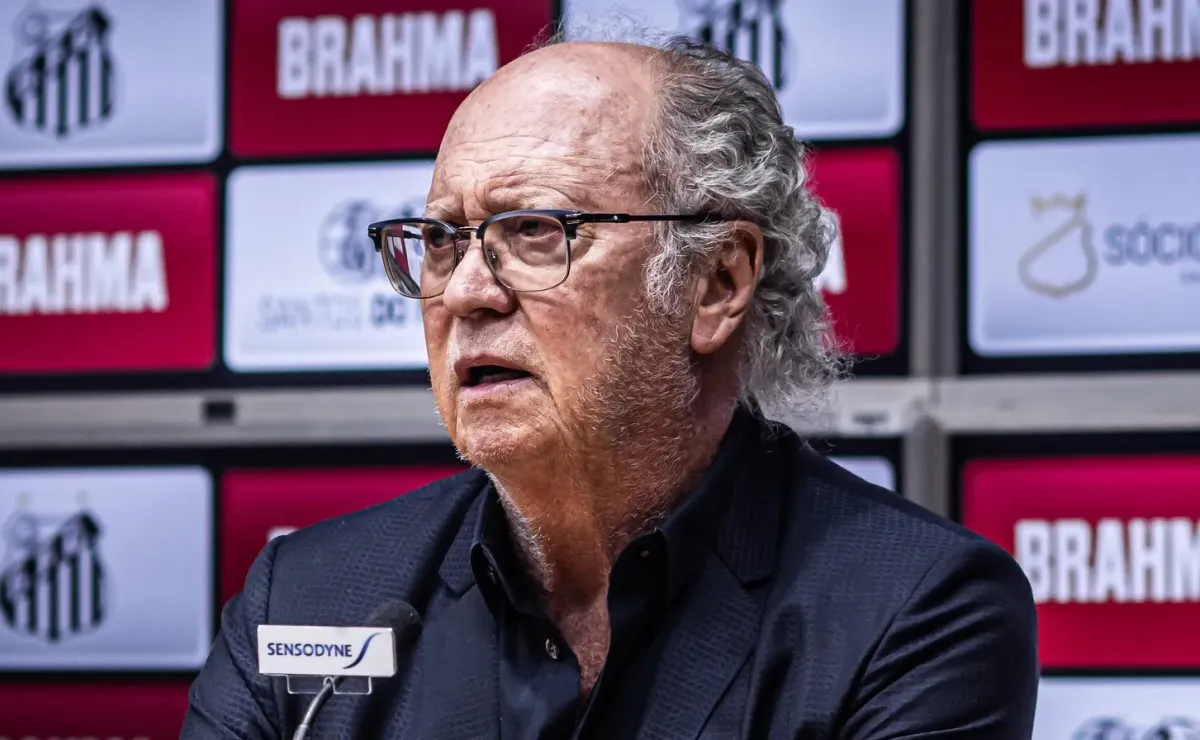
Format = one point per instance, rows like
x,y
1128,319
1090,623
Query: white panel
x,y
140,597
1085,247
146,75
871,468
305,289
1118,709
837,65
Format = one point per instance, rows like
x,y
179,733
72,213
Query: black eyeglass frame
x,y
569,219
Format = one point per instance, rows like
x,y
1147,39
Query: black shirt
x,y
539,676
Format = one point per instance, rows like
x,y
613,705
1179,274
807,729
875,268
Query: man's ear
x,y
724,290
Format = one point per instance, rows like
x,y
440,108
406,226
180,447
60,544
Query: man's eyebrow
x,y
440,211
521,199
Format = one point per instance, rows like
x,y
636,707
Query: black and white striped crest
x,y
53,586
63,79
753,30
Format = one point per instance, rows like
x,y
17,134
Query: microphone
x,y
336,653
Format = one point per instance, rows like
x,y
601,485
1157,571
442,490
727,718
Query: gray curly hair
x,y
719,145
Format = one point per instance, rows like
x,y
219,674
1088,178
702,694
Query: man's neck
x,y
572,522
570,526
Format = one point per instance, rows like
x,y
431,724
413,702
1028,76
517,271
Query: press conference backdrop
x,y
183,211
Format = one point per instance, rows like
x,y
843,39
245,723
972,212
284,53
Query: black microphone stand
x,y
327,687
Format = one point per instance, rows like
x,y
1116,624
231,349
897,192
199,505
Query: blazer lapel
x,y
719,628
459,691
458,694
721,610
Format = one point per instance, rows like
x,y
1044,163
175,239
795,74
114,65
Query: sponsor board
x,y
1044,64
367,75
304,287
107,273
1084,247
837,66
1118,709
109,82
112,711
861,281
1111,547
105,568
871,468
258,505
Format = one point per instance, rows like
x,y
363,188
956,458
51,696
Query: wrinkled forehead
x,y
551,132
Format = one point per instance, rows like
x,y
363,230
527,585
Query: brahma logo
x,y
107,273
1067,33
1137,561
121,272
387,54
1111,548
1038,64
363,75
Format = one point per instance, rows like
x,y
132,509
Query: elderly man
x,y
616,273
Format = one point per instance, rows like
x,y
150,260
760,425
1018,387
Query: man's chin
x,y
494,442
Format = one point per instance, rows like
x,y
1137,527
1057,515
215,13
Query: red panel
x,y
290,98
108,710
254,502
169,325
863,187
1074,76
1083,624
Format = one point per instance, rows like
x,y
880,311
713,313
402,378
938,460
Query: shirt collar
x,y
497,567
690,530
686,534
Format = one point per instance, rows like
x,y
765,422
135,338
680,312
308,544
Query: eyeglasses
x,y
526,251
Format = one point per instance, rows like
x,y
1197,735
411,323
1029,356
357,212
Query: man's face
x,y
560,128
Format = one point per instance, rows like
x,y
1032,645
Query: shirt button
x,y
492,574
551,648
644,553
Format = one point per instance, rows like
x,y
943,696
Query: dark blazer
x,y
826,608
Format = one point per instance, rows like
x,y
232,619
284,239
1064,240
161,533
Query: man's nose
x,y
472,286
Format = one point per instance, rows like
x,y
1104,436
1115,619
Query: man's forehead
x,y
560,122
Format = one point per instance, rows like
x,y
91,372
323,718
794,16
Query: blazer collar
x,y
455,570
717,622
747,540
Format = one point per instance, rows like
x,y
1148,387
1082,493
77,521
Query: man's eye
x,y
533,228
436,237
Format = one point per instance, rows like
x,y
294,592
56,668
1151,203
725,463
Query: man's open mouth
x,y
488,374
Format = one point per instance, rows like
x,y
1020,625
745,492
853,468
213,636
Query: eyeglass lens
x,y
525,252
